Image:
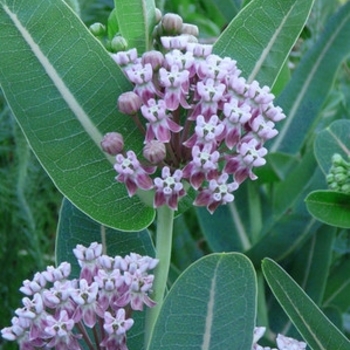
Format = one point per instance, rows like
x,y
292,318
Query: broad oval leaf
x,y
77,228
313,325
261,36
211,306
303,97
62,87
333,139
330,207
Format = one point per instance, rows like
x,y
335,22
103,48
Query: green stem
x,y
165,217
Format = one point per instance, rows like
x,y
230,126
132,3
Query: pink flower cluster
x,y
203,123
57,310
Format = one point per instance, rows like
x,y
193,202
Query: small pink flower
x,y
139,286
249,156
218,192
169,189
184,61
236,116
141,76
37,285
132,173
206,132
176,84
116,328
86,299
88,260
211,94
160,125
203,166
263,128
60,330
125,58
174,42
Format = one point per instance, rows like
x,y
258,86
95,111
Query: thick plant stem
x,y
165,217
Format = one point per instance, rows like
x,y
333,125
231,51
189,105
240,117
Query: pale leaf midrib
x,y
268,47
56,79
305,87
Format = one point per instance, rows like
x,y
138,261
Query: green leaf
x,y
303,97
62,87
331,140
211,306
136,20
287,230
309,266
185,248
227,229
228,8
330,207
338,285
313,325
77,228
287,191
261,36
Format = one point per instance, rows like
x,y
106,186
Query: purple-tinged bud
x,y
129,103
154,151
118,43
97,29
154,58
172,23
158,15
190,29
112,143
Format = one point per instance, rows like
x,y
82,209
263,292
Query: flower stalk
x,y
164,233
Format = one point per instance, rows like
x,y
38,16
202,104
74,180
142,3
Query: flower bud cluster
x,y
283,342
338,178
172,25
203,123
57,310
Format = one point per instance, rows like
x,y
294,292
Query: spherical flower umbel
x,y
203,124
57,315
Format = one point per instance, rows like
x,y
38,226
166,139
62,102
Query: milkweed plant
x,y
203,157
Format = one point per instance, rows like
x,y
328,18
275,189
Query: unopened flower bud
x,y
112,143
345,188
338,160
154,151
172,23
158,15
340,178
129,103
330,178
118,43
190,29
338,170
154,58
97,29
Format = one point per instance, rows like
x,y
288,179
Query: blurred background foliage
x,y
30,203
